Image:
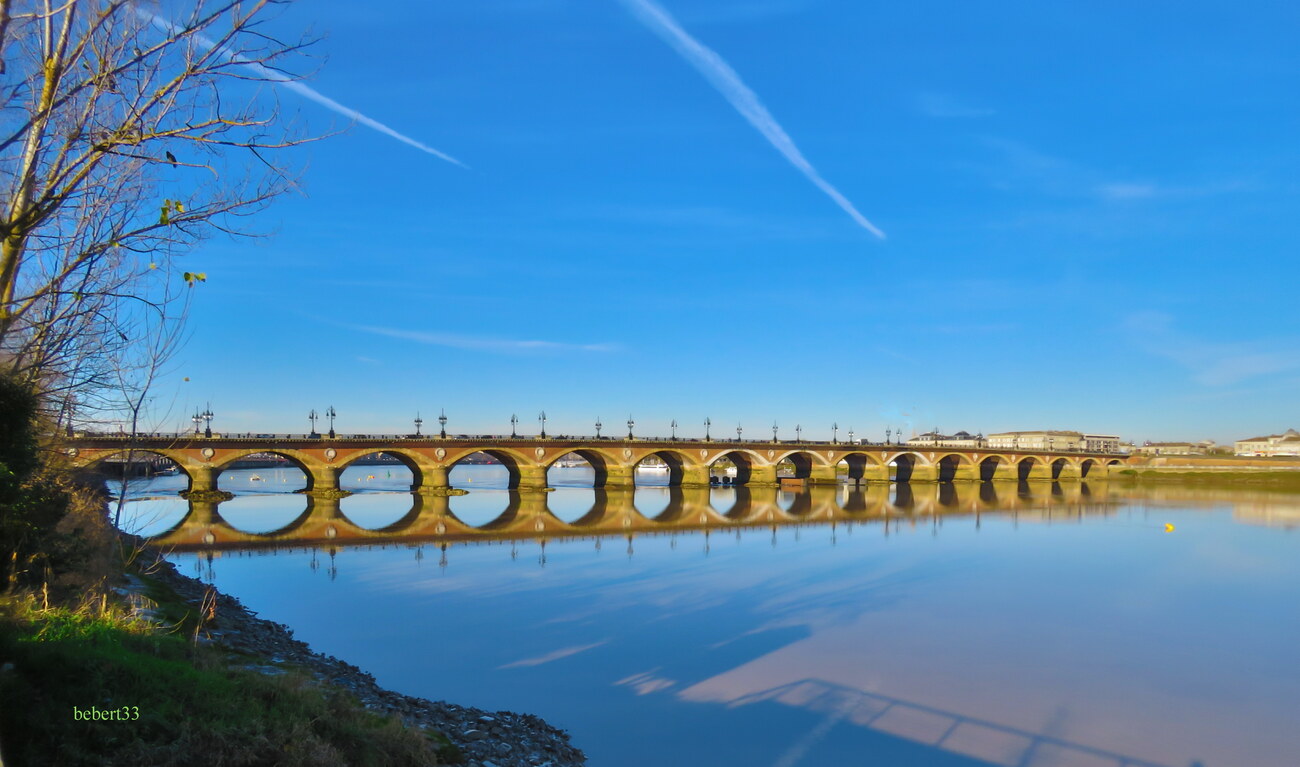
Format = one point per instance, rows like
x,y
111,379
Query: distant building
x,y
1174,448
1286,443
1054,440
934,438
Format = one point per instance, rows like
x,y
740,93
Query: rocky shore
x,y
486,739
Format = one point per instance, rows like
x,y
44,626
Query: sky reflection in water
x,y
1081,642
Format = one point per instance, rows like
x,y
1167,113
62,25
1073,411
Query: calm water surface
x,y
1073,630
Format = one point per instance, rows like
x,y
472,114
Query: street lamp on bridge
x,y
630,424
774,431
850,435
197,418
598,427
835,433
207,419
312,417
514,421
739,431
542,418
888,434
707,424
798,433
330,414
418,423
442,423
673,426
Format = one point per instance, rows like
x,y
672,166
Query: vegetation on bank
x,y
1260,478
70,650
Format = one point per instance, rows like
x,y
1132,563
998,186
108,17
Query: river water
x,y
1028,625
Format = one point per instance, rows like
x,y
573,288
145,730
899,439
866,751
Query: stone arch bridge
x,y
614,461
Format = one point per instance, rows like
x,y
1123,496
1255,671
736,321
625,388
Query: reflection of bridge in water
x,y
957,733
613,512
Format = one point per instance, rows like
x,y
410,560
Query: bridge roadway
x,y
614,461
614,513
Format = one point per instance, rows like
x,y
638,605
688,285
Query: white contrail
x,y
301,89
733,89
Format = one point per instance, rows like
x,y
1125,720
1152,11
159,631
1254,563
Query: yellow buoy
x,y
1169,528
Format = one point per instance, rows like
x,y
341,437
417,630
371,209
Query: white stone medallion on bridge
x,y
72,452
440,453
330,453
208,453
540,453
704,453
830,455
627,452
771,454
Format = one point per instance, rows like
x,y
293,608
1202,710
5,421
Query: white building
x,y
1054,440
935,439
1286,443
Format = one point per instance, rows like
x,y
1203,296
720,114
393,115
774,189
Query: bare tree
x,y
127,137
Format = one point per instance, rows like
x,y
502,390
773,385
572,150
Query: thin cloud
x,y
722,77
479,343
1210,363
302,89
553,656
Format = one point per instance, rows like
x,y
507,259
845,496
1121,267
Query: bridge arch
x,y
599,461
949,464
514,462
803,462
310,467
744,460
905,464
406,458
678,462
1085,466
97,460
1032,467
990,465
857,464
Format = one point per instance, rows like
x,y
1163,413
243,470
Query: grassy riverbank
x,y
163,698
1288,480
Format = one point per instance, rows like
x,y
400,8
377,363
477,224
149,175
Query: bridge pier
x,y
924,474
966,473
823,475
529,478
694,476
617,477
1038,473
1069,471
323,482
433,477
761,475
1006,471
203,478
876,473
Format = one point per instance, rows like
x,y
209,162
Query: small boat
x,y
654,467
255,478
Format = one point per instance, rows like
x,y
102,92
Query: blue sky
x,y
1089,215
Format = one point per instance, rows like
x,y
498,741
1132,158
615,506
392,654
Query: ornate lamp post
x,y
442,423
598,427
542,418
850,435
889,433
835,433
418,423
197,418
674,428
798,433
739,431
207,418
707,424
514,421
330,414
774,431
312,417
630,424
